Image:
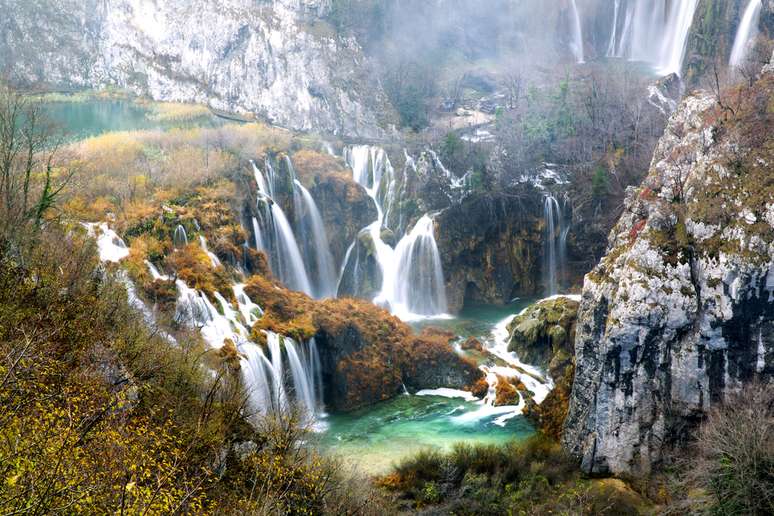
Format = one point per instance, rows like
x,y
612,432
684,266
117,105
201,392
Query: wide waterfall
x,y
555,245
655,32
577,33
412,276
273,387
415,285
746,33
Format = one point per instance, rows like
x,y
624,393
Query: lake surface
x,y
85,118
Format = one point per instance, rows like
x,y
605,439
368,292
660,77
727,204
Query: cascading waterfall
x,y
654,31
555,254
746,33
412,276
274,235
272,387
577,34
315,244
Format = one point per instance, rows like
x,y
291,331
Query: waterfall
x,y
614,33
412,276
316,245
289,265
577,34
269,386
179,237
278,373
555,254
274,235
213,259
304,382
654,31
415,284
307,267
746,33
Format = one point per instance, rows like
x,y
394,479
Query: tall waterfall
x,y
746,33
611,48
315,244
555,242
273,387
577,33
275,236
412,276
653,31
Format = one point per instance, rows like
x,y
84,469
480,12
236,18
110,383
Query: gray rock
x,y
240,56
681,310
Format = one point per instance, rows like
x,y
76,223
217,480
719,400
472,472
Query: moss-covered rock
x,y
544,334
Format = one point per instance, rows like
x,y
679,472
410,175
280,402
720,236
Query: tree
x,y
30,182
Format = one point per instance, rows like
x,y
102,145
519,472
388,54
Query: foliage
x,y
533,477
31,179
730,469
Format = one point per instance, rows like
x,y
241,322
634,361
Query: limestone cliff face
x,y
680,312
274,58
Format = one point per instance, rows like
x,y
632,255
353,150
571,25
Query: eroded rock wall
x,y
680,312
274,58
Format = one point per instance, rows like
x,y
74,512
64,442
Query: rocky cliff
x,y
680,312
274,58
491,247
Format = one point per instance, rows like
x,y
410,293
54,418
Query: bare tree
x,y
30,182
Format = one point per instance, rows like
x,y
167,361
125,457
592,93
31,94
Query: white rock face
x,y
680,311
274,58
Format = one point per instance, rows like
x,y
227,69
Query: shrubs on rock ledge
x,y
367,354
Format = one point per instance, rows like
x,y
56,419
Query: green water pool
x,y
375,438
85,118
378,437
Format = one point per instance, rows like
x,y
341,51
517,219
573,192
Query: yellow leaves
x,y
11,481
174,112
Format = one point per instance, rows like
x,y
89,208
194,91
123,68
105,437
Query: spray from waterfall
x,y
746,33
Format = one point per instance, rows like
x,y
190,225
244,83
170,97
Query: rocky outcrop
x,y
491,247
276,59
367,355
544,334
680,312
